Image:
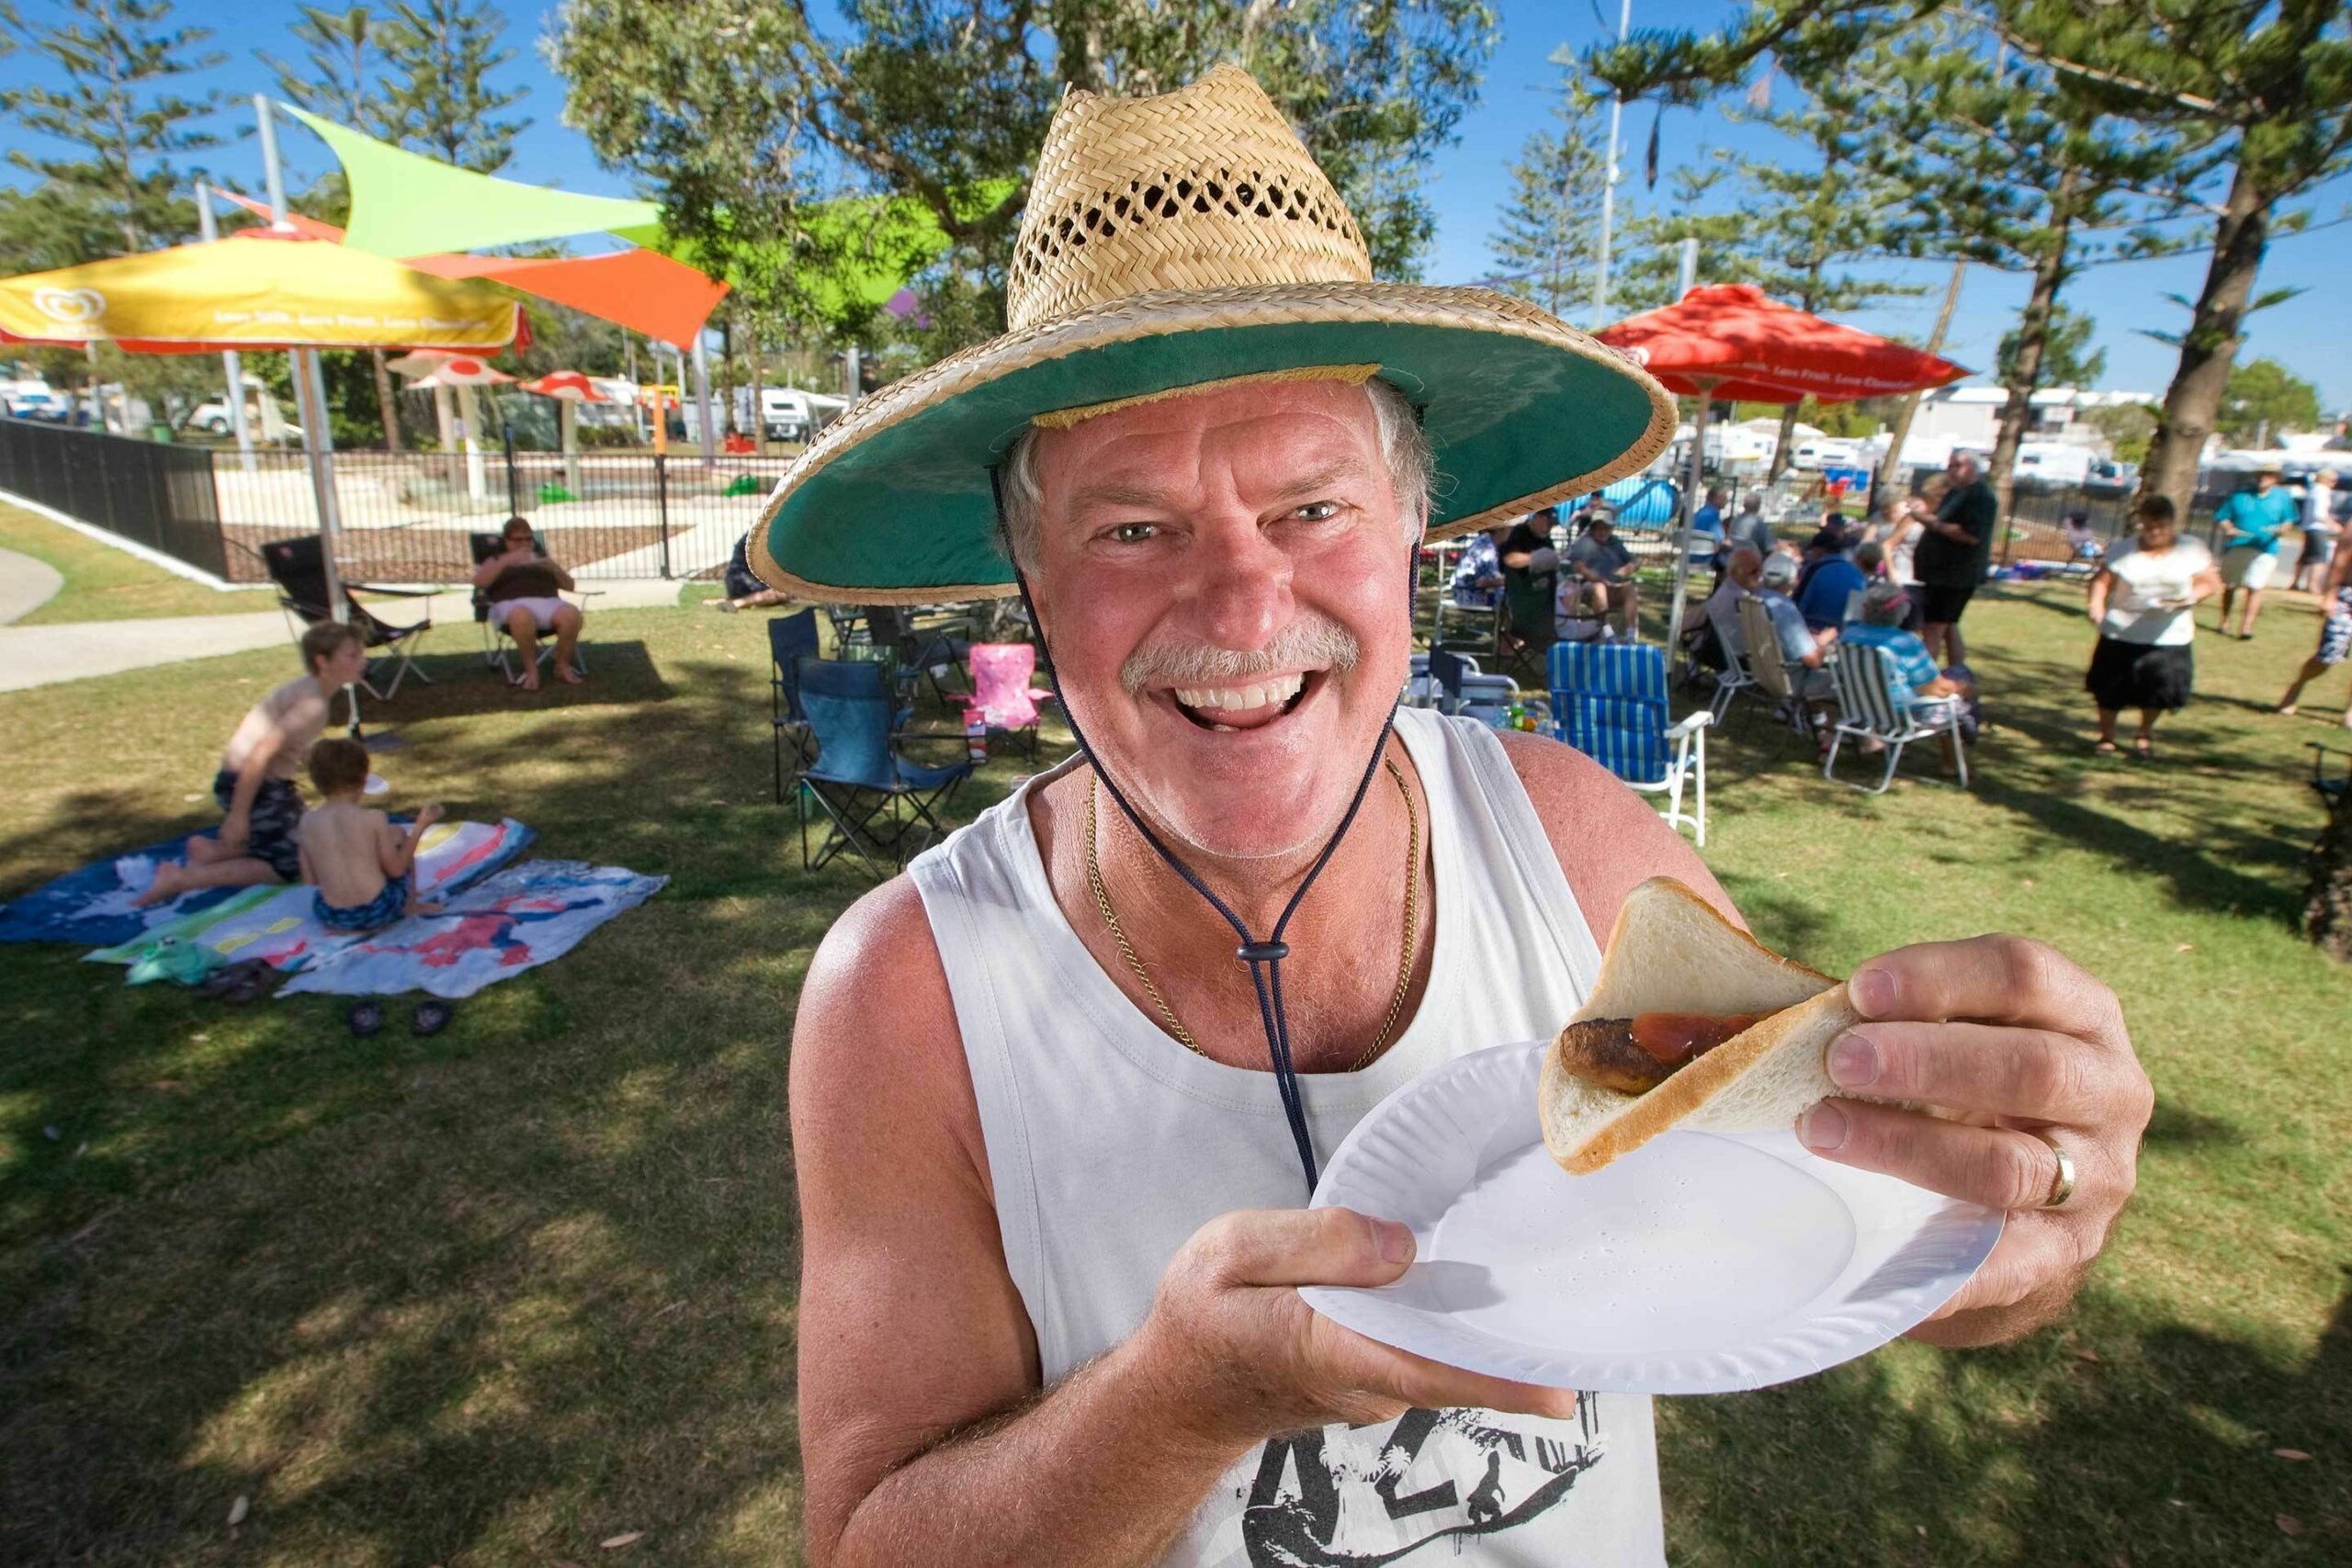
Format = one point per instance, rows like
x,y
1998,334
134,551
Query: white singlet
x,y
1109,1144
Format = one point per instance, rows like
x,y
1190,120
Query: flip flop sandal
x,y
228,978
2104,749
431,1017
253,987
364,1019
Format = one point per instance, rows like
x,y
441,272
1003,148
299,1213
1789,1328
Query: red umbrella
x,y
1731,340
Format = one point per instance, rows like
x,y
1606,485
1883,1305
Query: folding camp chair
x,y
497,641
1871,710
1002,697
298,567
1523,626
1609,701
1766,668
1730,681
791,638
1435,678
859,778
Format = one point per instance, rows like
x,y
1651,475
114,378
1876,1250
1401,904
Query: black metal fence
x,y
405,516
156,495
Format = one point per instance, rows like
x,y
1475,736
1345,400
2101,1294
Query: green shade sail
x,y
405,205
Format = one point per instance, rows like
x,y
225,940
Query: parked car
x,y
1826,452
39,402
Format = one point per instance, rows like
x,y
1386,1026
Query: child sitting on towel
x,y
358,859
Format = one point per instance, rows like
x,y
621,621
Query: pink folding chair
x,y
1002,694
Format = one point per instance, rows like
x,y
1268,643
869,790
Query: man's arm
x,y
562,577
925,1436
1607,839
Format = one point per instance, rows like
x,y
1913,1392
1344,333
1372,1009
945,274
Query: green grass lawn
x,y
102,584
499,1296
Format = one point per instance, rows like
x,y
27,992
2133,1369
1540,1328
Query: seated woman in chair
x,y
524,588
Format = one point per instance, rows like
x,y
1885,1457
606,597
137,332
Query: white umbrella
x,y
567,387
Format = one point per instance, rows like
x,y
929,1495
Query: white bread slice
x,y
1670,951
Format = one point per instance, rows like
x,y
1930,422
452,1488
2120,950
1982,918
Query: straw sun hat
x,y
1173,244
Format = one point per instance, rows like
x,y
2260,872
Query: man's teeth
x,y
1279,690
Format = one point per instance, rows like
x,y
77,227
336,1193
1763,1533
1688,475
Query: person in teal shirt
x,y
2251,522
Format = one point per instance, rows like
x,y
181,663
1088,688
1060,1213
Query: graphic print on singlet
x,y
1355,1496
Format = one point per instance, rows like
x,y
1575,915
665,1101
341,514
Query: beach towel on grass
x,y
92,906
515,920
276,925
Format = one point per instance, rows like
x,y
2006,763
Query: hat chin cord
x,y
1264,958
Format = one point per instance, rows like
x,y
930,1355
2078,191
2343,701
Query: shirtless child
x,y
354,856
256,783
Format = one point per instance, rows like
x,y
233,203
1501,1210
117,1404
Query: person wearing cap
x,y
1060,1093
2251,521
1829,580
1750,529
1804,650
1600,573
1885,605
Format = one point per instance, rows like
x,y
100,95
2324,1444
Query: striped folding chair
x,y
1609,701
1872,708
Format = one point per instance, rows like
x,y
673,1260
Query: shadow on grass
x,y
2145,1444
487,1297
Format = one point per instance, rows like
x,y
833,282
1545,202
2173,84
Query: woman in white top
x,y
2142,602
1902,538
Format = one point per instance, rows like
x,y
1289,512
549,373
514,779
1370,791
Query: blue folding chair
x,y
874,799
791,638
1609,701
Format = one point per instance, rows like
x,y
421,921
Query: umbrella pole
x,y
1689,517
208,231
570,421
702,402
444,420
470,415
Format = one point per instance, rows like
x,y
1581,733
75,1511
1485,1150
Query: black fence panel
x,y
154,494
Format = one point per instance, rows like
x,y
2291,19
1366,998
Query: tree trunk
x,y
388,399
2033,336
1891,465
2193,402
1788,438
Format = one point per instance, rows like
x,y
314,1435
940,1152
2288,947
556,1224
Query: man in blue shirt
x,y
1707,528
1828,587
2251,521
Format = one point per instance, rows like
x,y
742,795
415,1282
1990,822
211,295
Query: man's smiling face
x,y
1223,580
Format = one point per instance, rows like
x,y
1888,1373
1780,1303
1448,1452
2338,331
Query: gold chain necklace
x,y
1404,962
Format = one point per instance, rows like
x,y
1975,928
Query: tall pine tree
x,y
439,57
1546,235
1809,217
108,90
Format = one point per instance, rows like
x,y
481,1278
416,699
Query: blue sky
x,y
1469,181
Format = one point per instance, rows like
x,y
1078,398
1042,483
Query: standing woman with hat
x,y
2143,601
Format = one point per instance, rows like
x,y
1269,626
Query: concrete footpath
x,y
26,584
42,656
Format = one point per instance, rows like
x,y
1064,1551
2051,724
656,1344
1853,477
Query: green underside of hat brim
x,y
911,506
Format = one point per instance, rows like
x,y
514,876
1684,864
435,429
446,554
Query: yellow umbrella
x,y
256,293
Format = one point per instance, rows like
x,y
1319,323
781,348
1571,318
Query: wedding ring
x,y
2063,1187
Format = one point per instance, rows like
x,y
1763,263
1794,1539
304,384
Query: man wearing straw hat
x,y
1058,1095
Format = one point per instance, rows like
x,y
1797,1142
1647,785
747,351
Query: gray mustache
x,y
1310,641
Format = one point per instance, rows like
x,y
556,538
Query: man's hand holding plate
x,y
2044,1104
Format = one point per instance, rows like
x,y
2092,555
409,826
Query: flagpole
x,y
1609,186
310,392
1706,386
209,231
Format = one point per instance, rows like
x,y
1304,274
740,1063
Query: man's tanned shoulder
x,y
1607,838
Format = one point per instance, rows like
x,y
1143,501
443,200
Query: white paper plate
x,y
1700,1263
